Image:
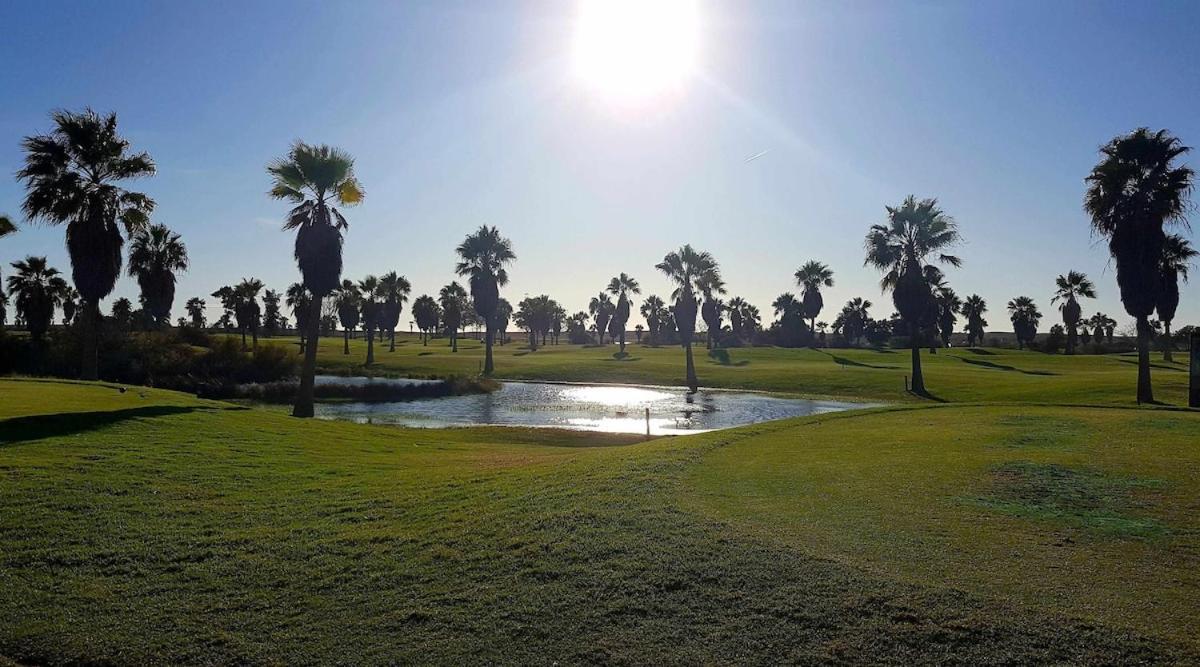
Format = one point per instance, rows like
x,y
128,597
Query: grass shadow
x,y
980,351
1002,367
38,427
843,361
1159,365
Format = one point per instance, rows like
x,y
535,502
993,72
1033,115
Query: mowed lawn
x,y
149,526
955,375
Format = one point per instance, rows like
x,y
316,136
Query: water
x,y
360,381
608,408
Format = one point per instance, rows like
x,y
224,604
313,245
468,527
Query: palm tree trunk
x,y
918,378
392,337
90,369
1145,392
692,383
487,355
345,341
1167,341
304,397
454,341
370,347
243,338
622,341
1072,334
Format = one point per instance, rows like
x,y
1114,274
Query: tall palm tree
x,y
156,254
810,278
427,314
1069,289
601,308
393,291
482,260
349,304
368,289
501,318
1025,317
195,311
914,232
653,310
1176,260
453,300
37,289
621,287
973,309
314,178
855,315
1136,189
73,176
691,271
949,305
248,312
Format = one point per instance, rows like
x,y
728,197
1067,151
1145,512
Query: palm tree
x,y
72,176
601,309
313,178
1025,317
1135,189
122,313
349,305
501,318
427,313
973,309
69,305
452,298
691,271
736,307
949,305
368,289
393,291
810,278
482,258
915,230
622,286
1069,288
248,312
156,254
37,289
195,311
711,287
653,310
1176,260
855,315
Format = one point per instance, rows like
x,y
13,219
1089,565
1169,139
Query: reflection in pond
x,y
608,408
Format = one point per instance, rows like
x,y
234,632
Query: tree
x,y
37,289
711,287
427,314
122,313
1176,260
915,231
156,254
501,318
368,289
973,309
393,292
273,320
1069,289
948,306
1025,317
621,287
313,178
601,308
655,312
536,315
855,315
69,305
1136,189
248,312
482,260
1103,327
349,305
453,300
810,278
195,310
691,271
789,321
72,176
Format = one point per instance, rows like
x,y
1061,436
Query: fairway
x,y
957,375
147,526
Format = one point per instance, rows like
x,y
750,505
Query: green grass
x,y
147,526
956,375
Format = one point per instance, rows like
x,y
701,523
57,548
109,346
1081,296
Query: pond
x,y
608,408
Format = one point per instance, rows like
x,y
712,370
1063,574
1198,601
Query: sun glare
x,y
634,51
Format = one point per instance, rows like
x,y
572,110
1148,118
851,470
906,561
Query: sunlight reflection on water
x,y
607,408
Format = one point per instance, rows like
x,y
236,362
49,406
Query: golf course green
x,y
1032,514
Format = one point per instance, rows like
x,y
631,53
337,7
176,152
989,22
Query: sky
x,y
468,113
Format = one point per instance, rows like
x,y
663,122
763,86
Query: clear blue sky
x,y
461,114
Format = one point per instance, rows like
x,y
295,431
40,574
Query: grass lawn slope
x,y
146,526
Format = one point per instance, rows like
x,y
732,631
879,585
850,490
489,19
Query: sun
x,y
636,51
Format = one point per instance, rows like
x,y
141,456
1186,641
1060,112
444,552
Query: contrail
x,y
754,157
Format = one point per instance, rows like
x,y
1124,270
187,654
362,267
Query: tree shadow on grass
x,y
843,361
1002,367
1159,365
981,351
37,427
